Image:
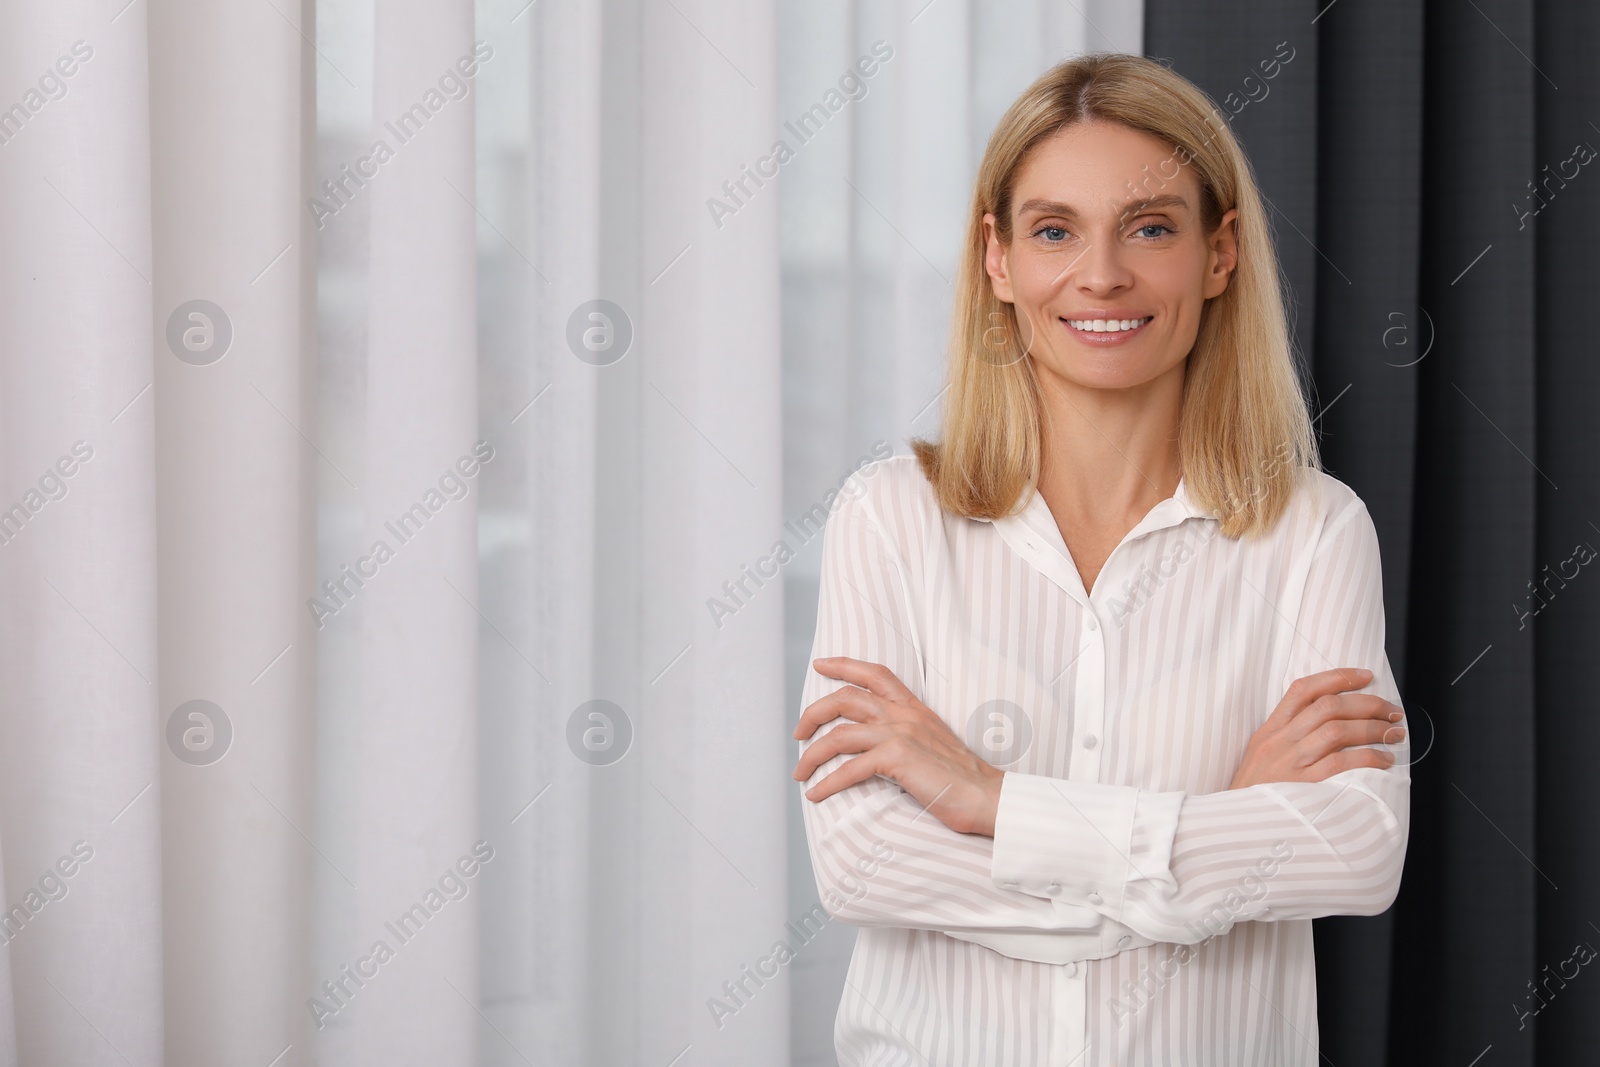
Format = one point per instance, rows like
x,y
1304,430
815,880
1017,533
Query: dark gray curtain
x,y
1439,224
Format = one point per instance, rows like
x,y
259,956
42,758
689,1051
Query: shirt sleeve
x,y
879,858
1181,868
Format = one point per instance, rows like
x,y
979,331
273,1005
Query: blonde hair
x,y
1244,432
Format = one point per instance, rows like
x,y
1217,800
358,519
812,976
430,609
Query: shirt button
x,y
1053,888
1124,941
1095,898
1011,885
1072,969
1093,623
1090,741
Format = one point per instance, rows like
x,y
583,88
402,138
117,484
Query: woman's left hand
x,y
900,738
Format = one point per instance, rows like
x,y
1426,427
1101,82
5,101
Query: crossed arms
x,y
1047,868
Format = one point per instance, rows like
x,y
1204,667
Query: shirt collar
x,y
1033,534
1177,507
1190,506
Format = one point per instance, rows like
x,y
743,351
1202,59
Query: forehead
x,y
1097,168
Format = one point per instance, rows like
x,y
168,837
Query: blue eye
x,y
1053,231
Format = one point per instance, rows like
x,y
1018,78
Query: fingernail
x,y
1396,716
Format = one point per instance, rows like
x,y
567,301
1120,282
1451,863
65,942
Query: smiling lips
x,y
1108,330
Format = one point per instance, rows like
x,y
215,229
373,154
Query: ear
x,y
1224,256
994,260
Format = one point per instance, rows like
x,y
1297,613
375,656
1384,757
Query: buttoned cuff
x,y
1074,842
1105,938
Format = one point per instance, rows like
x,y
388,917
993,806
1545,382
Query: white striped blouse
x,y
1130,909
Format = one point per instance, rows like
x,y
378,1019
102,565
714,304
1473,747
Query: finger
x,y
1336,734
853,771
1303,691
1371,732
874,677
840,739
1349,759
1336,706
846,702
825,747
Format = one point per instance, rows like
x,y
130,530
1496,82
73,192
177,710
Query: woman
x,y
1100,716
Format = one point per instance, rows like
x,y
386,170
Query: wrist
x,y
993,783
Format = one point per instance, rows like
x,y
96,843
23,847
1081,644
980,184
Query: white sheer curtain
x,y
519,745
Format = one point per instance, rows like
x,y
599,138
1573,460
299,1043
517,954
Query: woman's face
x,y
1081,250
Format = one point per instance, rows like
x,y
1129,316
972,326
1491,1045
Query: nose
x,y
1101,268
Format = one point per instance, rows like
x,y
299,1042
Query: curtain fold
x,y
539,124
539,560
235,514
81,819
1566,380
419,833
686,859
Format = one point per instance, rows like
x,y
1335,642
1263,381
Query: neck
x,y
1109,453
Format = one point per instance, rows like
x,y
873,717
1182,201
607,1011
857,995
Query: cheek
x,y
1037,279
1022,285
1180,288
1178,277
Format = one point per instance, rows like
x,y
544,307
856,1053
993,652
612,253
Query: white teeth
x,y
1108,325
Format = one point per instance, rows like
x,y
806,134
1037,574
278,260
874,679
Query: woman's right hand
x,y
1313,733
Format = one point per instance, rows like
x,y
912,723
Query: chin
x,y
1108,371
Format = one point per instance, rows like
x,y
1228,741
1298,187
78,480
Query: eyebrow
x,y
1133,207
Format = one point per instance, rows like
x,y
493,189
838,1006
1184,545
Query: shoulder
x,y
1326,495
1323,506
885,491
892,496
